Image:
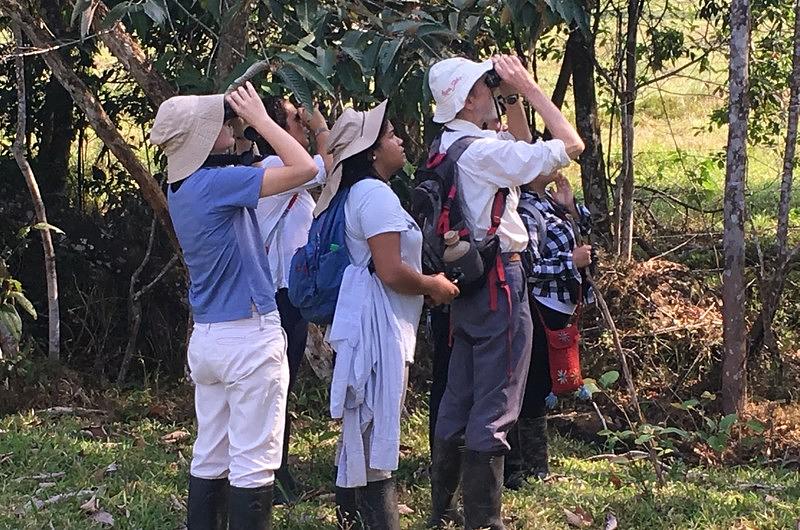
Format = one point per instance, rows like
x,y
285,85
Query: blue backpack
x,y
317,268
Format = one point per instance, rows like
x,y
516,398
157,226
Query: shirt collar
x,y
469,127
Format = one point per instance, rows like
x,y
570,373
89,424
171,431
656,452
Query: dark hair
x,y
276,111
359,166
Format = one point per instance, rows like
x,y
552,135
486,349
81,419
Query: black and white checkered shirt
x,y
551,272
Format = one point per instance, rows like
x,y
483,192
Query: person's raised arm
x,y
315,122
298,167
511,71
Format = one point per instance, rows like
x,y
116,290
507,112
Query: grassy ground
x,y
147,490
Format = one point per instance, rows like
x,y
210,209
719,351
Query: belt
x,y
510,257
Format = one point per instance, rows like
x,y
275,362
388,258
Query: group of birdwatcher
x,y
492,246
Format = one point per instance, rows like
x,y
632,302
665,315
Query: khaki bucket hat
x,y
353,132
186,127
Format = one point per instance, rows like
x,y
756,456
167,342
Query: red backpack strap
x,y
498,208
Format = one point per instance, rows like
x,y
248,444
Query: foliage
x,y
11,299
140,479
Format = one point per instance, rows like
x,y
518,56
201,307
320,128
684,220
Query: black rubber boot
x,y
515,472
250,508
207,505
347,515
378,505
482,483
445,477
533,438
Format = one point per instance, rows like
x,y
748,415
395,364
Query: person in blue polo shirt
x,y
237,352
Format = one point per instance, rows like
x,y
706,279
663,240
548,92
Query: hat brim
x,y
373,121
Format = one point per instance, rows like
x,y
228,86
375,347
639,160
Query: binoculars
x,y
492,79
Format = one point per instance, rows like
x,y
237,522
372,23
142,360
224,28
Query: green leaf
x,y
452,20
717,443
349,74
643,438
10,320
77,11
308,70
570,11
727,422
433,29
297,84
214,7
47,226
591,385
608,378
276,8
371,56
675,430
326,59
404,26
356,54
708,395
24,303
115,14
306,14
156,10
756,426
387,54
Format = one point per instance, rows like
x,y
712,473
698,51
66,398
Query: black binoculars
x,y
492,79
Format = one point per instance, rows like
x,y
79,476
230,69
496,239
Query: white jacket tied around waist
x,y
368,377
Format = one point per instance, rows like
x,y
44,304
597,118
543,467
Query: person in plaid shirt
x,y
554,262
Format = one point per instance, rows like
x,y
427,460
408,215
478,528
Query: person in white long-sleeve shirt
x,y
284,221
491,328
375,323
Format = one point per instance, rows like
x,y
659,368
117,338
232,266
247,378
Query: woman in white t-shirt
x,y
375,325
284,221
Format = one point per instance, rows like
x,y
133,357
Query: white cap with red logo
x,y
450,82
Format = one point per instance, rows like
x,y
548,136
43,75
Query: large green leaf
x,y
306,14
24,303
156,10
356,54
326,59
276,8
387,54
116,13
47,226
371,56
10,320
309,70
297,84
570,11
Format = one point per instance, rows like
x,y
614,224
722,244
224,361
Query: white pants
x,y
241,378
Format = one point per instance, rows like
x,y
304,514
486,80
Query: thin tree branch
x,y
20,151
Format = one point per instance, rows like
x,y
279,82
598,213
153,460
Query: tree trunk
x,y
232,43
734,364
20,154
95,114
627,101
130,54
593,171
774,288
55,144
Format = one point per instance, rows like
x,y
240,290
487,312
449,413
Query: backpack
x,y
317,268
436,207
